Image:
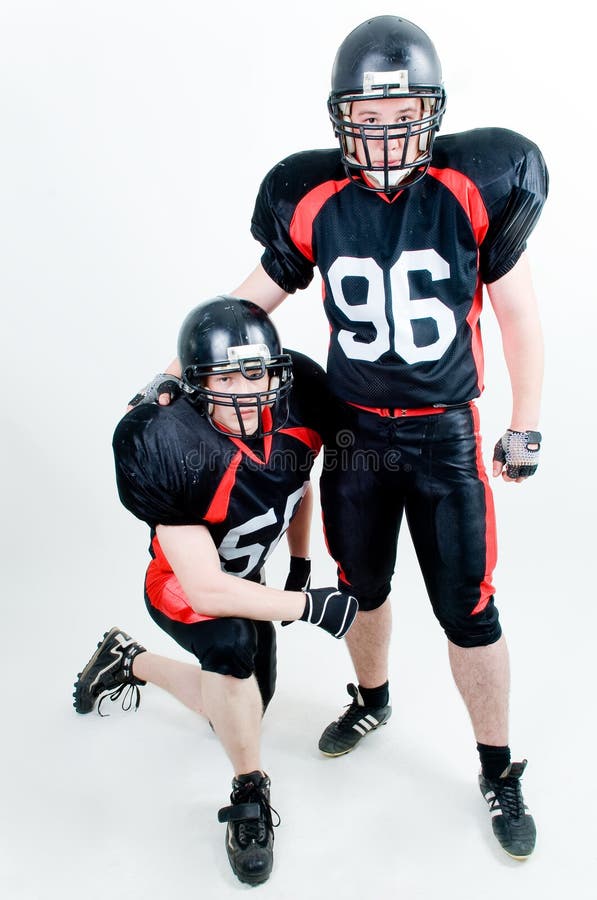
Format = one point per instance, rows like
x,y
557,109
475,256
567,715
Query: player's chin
x,y
250,425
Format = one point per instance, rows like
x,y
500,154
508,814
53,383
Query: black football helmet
x,y
227,334
386,57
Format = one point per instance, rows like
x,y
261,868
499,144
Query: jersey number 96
x,y
404,309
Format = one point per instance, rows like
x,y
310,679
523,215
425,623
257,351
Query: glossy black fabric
x,y
170,464
402,279
231,646
426,468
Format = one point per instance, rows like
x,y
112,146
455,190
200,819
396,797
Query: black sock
x,y
378,696
493,760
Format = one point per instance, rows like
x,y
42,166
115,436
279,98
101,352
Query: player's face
x,y
393,111
236,383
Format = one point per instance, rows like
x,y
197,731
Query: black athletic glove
x,y
299,575
332,610
514,451
161,384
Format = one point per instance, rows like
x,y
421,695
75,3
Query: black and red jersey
x,y
403,274
174,468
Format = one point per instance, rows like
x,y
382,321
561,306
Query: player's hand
x,y
299,574
516,455
162,389
330,609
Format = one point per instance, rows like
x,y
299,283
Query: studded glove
x,y
519,452
161,384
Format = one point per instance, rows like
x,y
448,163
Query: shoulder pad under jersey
x,y
511,176
281,191
157,454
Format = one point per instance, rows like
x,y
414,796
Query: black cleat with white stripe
x,y
109,672
359,720
512,823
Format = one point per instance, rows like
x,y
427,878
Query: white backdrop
x,y
134,136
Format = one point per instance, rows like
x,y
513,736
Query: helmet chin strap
x,y
394,176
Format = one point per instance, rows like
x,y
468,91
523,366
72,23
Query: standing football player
x,y
407,230
219,476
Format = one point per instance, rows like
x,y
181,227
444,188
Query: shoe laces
x,y
508,794
353,710
254,829
130,695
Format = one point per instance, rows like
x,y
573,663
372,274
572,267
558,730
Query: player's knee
x,y
369,598
475,630
232,650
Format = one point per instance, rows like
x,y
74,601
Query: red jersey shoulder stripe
x,y
306,435
301,225
468,195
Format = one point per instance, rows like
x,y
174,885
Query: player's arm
x,y
259,288
191,552
194,559
270,226
299,530
515,305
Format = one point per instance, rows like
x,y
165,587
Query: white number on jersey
x,y
404,310
257,553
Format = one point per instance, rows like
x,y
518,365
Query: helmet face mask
x,y
386,58
225,338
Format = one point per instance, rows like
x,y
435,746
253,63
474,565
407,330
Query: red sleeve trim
x,y
301,225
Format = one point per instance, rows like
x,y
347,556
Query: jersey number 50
x,y
257,553
404,309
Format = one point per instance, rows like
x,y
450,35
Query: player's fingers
x,y
497,468
164,399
